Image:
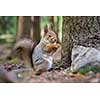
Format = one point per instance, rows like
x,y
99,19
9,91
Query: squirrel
x,y
38,54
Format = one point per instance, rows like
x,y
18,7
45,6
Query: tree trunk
x,y
23,26
36,28
66,44
83,30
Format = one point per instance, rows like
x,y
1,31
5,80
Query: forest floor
x,y
54,76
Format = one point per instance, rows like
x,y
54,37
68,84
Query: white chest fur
x,y
50,61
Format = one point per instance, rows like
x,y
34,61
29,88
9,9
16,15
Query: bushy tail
x,y
23,50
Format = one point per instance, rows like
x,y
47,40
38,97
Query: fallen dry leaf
x,y
77,75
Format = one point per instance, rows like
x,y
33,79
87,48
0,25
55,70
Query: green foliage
x,y
86,69
7,25
44,21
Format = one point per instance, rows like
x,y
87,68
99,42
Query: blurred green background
x,y
8,26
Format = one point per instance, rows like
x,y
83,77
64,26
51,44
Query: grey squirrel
x,y
38,55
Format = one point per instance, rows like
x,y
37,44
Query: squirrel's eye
x,y
49,35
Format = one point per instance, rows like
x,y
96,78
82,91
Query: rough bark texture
x,y
66,44
23,26
84,30
36,28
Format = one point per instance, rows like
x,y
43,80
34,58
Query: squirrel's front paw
x,y
52,47
57,45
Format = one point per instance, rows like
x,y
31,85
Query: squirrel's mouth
x,y
49,41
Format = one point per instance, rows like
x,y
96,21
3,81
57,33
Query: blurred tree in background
x,y
36,28
23,27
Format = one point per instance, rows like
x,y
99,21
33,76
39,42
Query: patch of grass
x,y
14,61
68,71
8,59
86,69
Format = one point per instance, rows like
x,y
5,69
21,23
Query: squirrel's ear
x,y
46,29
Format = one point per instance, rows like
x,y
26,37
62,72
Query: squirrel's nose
x,y
53,39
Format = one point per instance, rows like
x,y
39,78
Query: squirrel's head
x,y
49,36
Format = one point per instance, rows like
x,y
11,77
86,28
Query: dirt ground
x,y
20,73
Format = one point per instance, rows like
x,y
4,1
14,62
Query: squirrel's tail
x,y
23,49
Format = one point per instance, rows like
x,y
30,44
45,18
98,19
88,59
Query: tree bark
x,y
85,30
66,44
82,30
23,26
